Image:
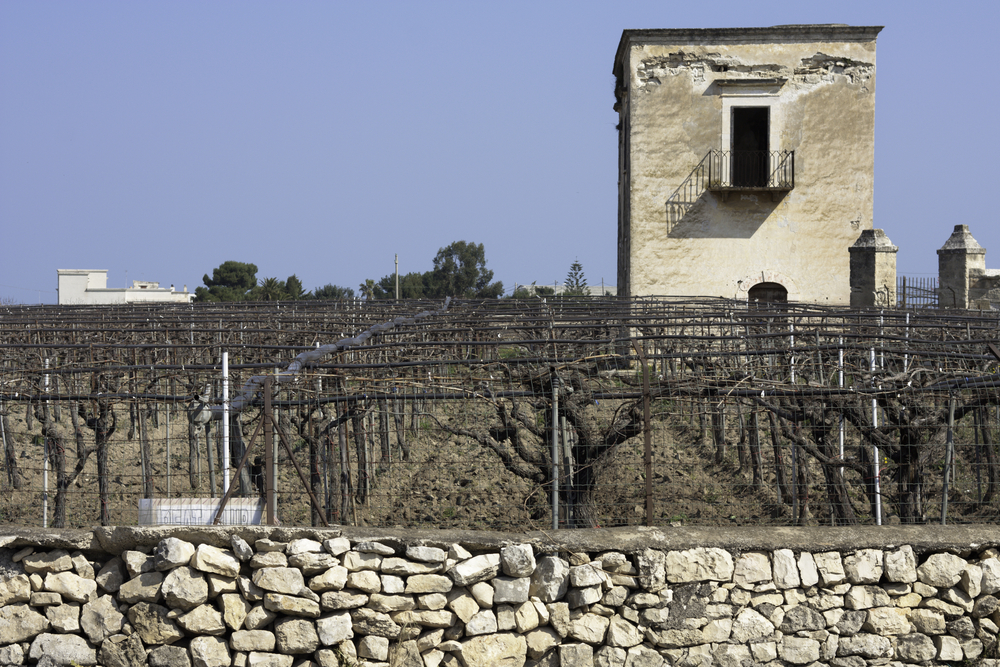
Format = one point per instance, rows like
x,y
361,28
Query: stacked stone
x,y
336,602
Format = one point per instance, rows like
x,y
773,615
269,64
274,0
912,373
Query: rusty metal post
x,y
270,497
647,435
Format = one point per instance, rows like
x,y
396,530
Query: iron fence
x,y
749,170
509,414
917,292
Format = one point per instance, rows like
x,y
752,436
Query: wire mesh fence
x,y
510,414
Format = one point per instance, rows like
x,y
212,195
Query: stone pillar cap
x,y
961,241
873,239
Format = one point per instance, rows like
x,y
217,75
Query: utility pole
x,y
397,276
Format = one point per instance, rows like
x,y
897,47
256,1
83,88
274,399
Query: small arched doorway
x,y
762,293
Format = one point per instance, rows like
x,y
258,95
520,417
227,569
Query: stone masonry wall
x,y
625,598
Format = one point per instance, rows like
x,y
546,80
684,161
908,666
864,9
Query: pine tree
x,y
576,282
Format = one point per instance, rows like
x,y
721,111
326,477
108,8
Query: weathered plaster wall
x,y
626,598
683,239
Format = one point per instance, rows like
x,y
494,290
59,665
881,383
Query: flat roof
x,y
810,32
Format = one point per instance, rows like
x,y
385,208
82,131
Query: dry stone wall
x,y
279,597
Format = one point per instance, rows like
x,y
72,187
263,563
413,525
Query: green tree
x,y
576,282
294,289
230,281
270,289
460,270
368,288
331,292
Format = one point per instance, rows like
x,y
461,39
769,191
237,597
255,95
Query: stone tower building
x,y
746,160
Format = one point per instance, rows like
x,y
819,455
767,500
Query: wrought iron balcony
x,y
740,171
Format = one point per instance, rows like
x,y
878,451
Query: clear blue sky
x,y
159,139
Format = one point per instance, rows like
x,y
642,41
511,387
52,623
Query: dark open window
x,y
762,293
751,151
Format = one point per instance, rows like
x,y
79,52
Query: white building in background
x,y
90,287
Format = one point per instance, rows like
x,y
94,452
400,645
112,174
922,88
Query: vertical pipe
x,y
791,348
555,451
948,453
225,422
268,453
397,277
840,383
876,471
906,355
45,463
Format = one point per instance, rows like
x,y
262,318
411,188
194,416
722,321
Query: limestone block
x,y
715,631
652,566
152,624
901,565
334,628
258,618
725,655
961,628
576,654
16,589
615,597
286,580
100,619
589,628
291,605
217,585
526,618
83,567
866,597
234,610
505,617
641,656
374,548
972,649
928,621
376,648
337,545
64,617
786,574
985,606
240,548
957,597
313,563
948,648
941,570
249,590
802,618
44,599
887,621
481,623
390,603
463,604
542,640
333,579
517,560
71,586
864,566
751,568
865,645
215,560
750,625
365,580
764,652
303,546
474,570
949,610
172,552
511,590
168,656
47,562
579,597
420,584
264,545
268,559
430,639
972,580
209,652
425,618
252,640
426,554
356,561
11,655
798,650
261,659
295,636
498,650
589,574
915,648
990,583
184,588
559,617
830,567
699,564
369,622
608,656
202,620
550,580
20,623
338,600
62,649
923,590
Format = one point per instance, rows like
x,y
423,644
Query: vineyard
x,y
502,414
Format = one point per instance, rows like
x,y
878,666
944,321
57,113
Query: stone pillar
x,y
873,271
959,258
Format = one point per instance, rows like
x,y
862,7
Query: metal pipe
x,y
45,463
225,422
876,470
948,453
555,451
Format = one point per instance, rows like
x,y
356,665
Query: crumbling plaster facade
x,y
676,91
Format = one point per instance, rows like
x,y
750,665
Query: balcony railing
x,y
772,171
